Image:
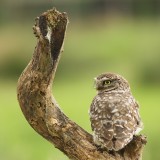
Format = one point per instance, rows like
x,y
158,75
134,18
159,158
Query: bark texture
x,y
41,109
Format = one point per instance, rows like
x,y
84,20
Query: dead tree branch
x,y
41,109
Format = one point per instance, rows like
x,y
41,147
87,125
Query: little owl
x,y
114,113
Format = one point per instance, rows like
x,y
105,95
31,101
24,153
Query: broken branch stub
x,y
41,109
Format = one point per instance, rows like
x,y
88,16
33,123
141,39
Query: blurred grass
x,y
126,46
19,141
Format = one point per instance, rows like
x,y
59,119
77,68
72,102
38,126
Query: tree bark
x,y
41,109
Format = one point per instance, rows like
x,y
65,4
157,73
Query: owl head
x,y
111,81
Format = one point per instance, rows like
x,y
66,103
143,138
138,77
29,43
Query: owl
x,y
114,113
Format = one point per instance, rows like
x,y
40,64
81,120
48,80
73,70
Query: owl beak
x,y
95,79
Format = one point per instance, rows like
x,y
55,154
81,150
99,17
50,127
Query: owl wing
x,y
114,122
139,126
101,123
127,123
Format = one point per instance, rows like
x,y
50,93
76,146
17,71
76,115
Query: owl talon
x,y
100,149
112,152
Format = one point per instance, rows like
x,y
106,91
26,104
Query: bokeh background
x,y
103,35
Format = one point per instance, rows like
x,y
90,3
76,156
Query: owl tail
x,y
118,144
109,145
121,143
115,144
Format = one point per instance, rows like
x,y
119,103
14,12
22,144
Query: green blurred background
x,y
103,35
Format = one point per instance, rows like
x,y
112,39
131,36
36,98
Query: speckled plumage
x,y
114,113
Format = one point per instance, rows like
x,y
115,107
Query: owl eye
x,y
106,82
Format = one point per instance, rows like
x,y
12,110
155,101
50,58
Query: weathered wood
x,y
41,109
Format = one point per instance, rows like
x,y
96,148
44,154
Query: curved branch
x,y
41,109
